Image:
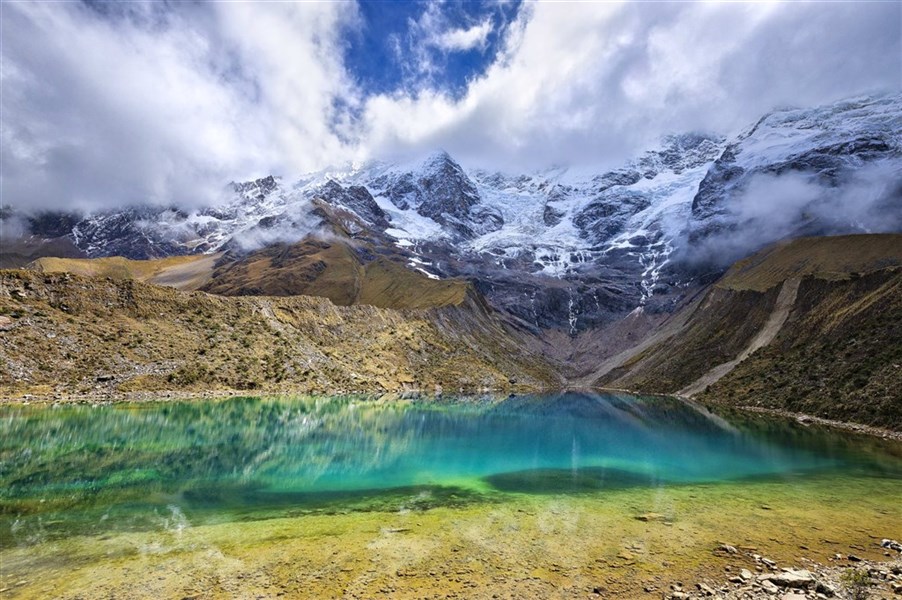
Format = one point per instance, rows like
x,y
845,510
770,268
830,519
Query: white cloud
x,y
460,40
147,107
595,82
168,104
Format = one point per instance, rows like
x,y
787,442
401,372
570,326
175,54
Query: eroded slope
x,y
65,334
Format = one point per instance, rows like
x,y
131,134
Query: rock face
x,y
792,578
357,199
564,249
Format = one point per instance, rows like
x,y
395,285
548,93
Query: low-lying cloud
x,y
775,207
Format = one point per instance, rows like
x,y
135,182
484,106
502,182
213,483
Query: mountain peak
x,y
439,160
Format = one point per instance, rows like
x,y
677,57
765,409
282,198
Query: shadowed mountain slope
x,y
832,347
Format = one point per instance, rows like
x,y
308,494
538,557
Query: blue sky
x,y
146,101
405,46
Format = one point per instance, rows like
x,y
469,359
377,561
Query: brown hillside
x,y
838,355
335,270
64,334
182,272
835,257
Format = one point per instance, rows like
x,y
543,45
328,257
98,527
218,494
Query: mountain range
x,y
614,278
564,249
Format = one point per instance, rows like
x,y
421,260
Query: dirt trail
x,y
774,323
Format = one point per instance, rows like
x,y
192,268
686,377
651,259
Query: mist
x,y
773,207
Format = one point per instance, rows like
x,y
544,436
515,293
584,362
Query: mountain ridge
x,y
564,249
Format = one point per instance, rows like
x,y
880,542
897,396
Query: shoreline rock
x,y
816,581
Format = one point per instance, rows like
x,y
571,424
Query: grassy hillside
x,y
330,269
831,258
838,354
336,270
715,332
66,334
182,272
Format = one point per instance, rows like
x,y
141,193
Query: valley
x,y
431,300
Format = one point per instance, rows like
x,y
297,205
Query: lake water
x,y
117,472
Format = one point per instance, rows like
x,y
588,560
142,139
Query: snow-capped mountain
x,y
560,248
833,169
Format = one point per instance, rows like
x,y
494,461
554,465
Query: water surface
x,y
89,489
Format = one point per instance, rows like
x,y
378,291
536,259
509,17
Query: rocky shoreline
x,y
755,577
813,420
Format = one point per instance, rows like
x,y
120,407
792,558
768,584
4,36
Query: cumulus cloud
x,y
164,107
593,83
167,103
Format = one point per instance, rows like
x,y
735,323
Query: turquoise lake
x,y
92,469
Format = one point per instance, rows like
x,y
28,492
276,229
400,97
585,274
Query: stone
x,y
745,574
705,589
826,589
728,549
792,596
792,578
854,558
769,587
648,517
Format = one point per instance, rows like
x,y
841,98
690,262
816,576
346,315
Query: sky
x,y
109,104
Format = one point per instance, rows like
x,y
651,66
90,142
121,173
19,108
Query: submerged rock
x,y
647,517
